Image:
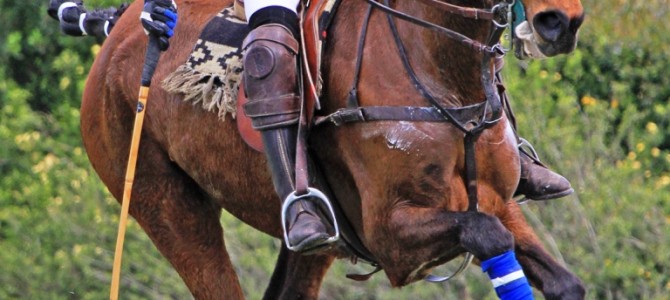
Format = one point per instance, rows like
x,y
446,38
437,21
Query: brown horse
x,y
401,184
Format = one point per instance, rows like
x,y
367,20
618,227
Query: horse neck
x,y
448,70
445,66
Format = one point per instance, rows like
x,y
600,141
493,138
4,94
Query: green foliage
x,y
598,116
57,221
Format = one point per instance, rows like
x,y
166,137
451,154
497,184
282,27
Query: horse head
x,y
551,27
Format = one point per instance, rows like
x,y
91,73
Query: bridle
x,y
471,120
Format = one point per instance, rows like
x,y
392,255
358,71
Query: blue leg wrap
x,y
507,277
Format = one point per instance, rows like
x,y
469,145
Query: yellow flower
x,y
95,50
614,103
652,127
640,147
64,83
664,181
76,249
632,155
46,164
637,165
543,74
655,152
557,76
588,101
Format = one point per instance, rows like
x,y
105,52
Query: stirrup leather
x,y
311,194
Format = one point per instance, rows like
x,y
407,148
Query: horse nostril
x,y
550,25
576,23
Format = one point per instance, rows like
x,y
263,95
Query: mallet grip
x,y
151,60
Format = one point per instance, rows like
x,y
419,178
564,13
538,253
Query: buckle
x,y
347,115
311,194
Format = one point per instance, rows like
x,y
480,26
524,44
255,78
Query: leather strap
x,y
468,12
271,107
464,115
301,162
268,33
472,44
469,142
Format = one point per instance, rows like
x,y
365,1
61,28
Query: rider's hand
x,y
159,18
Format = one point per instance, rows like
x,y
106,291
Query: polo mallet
x,y
150,61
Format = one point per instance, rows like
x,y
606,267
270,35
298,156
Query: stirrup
x,y
464,265
312,193
527,148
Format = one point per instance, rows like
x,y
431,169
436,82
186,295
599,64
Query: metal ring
x,y
500,10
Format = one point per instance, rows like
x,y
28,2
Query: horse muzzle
x,y
549,34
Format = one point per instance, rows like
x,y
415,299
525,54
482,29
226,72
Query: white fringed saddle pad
x,y
211,76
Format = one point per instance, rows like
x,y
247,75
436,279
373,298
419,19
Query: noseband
x,y
471,120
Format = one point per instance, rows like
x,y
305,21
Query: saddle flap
x,y
250,136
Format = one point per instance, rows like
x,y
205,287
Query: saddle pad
x,y
212,74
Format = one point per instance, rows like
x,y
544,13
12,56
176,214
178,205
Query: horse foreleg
x,y
297,276
183,225
419,238
547,275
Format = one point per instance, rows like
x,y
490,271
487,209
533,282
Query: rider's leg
x,y
270,82
537,182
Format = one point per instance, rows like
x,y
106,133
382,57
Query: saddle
x,y
213,73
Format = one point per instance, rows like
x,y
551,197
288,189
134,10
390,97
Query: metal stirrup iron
x,y
311,194
464,265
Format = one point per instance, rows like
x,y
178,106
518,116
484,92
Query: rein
x,y
471,120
